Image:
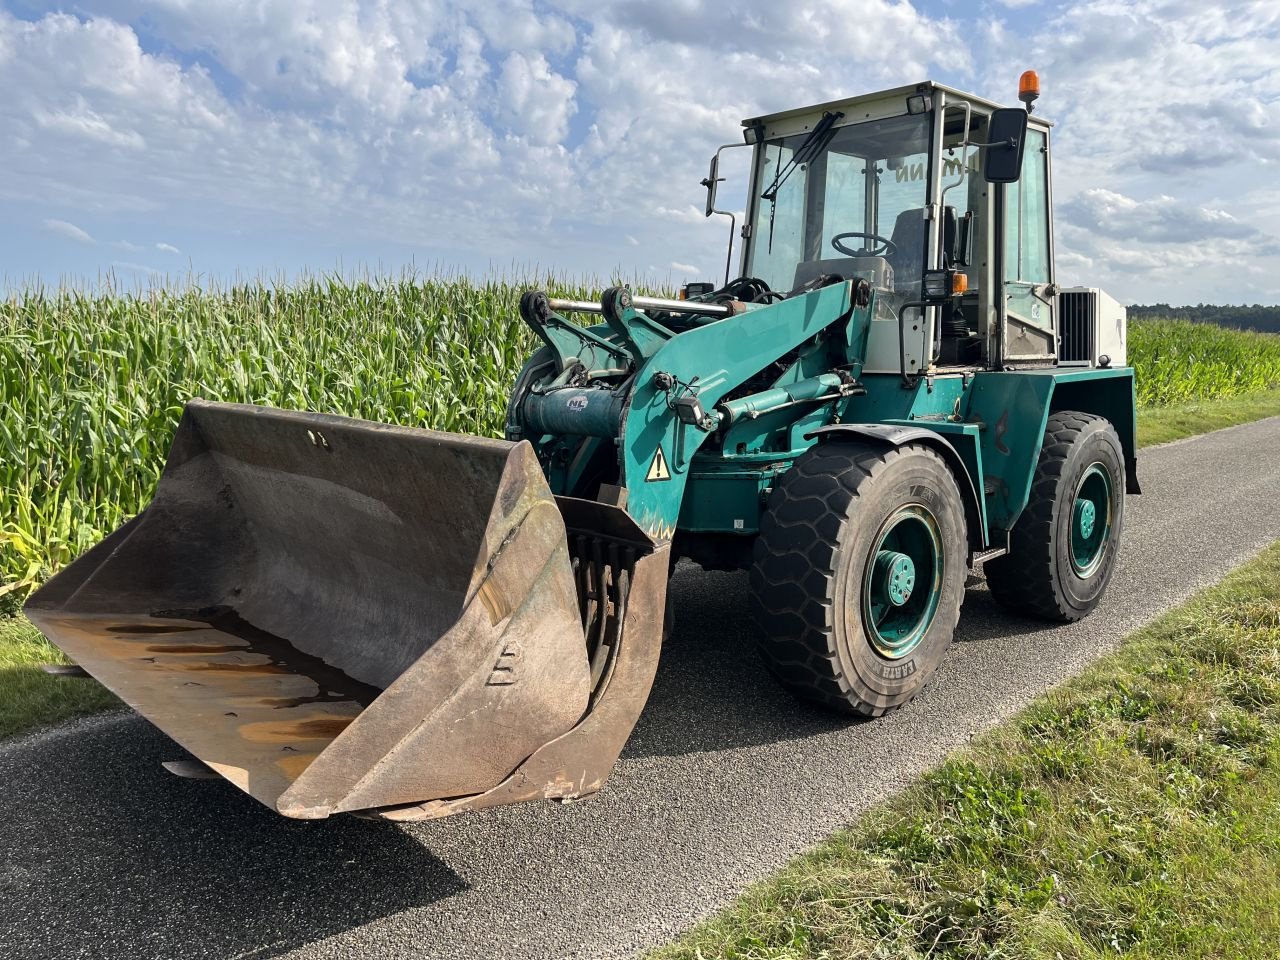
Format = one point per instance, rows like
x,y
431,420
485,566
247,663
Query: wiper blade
x,y
813,145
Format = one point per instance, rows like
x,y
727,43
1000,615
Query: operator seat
x,y
907,258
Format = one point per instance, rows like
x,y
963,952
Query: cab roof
x,y
847,104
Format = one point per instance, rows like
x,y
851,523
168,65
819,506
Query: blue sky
x,y
223,138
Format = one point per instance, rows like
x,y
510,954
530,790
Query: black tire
x,y
819,539
1040,575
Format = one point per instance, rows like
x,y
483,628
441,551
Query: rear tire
x,y
1063,548
859,573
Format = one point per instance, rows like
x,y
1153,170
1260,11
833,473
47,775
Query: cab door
x,y
1028,330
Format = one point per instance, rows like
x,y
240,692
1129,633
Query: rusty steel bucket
x,y
344,616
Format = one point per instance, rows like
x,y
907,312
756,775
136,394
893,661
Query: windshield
x,y
871,181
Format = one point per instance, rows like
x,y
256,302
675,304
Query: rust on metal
x,y
622,612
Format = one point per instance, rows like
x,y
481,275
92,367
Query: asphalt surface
x,y
102,854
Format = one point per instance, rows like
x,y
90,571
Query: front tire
x,y
859,574
1063,548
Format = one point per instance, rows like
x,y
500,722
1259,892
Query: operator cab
x,y
897,188
855,209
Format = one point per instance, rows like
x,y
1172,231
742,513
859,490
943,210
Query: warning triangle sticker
x,y
658,469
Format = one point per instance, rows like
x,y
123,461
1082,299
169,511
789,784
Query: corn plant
x,y
1178,361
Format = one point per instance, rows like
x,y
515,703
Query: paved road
x,y
104,855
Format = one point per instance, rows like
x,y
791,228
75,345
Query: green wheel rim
x,y
902,581
1091,520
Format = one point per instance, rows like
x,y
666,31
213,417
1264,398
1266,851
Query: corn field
x,y
1178,361
92,384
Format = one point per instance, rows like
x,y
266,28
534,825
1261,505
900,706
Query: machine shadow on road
x,y
112,856
713,691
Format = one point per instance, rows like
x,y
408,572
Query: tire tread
x,y
1023,580
795,566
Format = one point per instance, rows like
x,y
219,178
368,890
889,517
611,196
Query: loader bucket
x,y
339,616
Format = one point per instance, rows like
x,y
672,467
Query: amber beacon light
x,y
1029,88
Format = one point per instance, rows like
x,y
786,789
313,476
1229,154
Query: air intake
x,y
1091,328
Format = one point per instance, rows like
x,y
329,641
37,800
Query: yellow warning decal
x,y
658,469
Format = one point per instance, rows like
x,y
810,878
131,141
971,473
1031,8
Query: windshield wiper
x,y
813,145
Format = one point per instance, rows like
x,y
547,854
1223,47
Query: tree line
x,y
1243,317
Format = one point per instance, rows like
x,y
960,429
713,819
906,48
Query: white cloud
x,y
82,122
168,248
1160,220
433,123
137,269
1168,120
535,100
685,268
574,132
69,230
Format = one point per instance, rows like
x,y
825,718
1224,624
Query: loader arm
x,y
672,400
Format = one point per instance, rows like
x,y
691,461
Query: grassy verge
x,y
1134,811
30,697
1162,424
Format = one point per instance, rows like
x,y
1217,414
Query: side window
x,y
1026,237
779,241
903,186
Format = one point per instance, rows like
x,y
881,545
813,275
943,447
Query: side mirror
x,y
1007,138
710,182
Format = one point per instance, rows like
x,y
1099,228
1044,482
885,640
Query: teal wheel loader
x,y
342,616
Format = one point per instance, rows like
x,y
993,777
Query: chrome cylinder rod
x,y
646,303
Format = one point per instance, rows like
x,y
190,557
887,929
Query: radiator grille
x,y
1075,321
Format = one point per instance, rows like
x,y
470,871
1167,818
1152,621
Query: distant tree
x,y
1244,317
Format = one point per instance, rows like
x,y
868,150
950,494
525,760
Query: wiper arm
x,y
813,145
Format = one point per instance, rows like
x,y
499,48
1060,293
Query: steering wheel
x,y
884,247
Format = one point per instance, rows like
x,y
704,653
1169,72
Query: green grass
x,y
30,697
1133,811
1162,424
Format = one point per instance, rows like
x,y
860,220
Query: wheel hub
x,y
1091,520
1086,515
895,577
902,581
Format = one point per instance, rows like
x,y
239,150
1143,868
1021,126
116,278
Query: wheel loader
x,y
340,616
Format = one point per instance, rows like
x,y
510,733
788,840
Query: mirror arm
x,y
1011,142
710,181
728,257
964,150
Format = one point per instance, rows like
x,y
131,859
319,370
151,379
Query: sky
x,y
222,139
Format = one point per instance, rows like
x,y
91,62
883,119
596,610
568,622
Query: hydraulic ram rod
x,y
647,303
